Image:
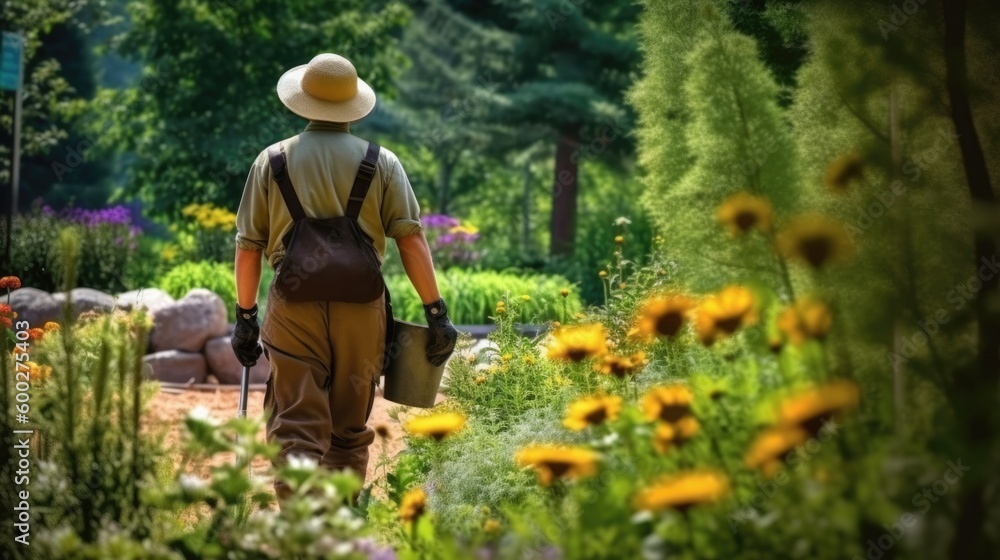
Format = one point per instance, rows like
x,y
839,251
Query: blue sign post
x,y
12,79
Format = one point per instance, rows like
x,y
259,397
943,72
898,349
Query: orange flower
x,y
35,333
10,282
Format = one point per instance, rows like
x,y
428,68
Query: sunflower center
x,y
558,468
816,250
745,220
596,416
669,324
729,324
577,354
673,412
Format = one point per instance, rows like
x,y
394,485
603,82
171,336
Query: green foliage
x,y
213,276
197,119
107,249
472,296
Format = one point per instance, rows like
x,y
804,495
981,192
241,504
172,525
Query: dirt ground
x,y
168,410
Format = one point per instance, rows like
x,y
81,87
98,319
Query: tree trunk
x,y
976,388
564,191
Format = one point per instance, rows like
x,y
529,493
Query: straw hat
x,y
326,89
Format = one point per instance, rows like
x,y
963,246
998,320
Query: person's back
x,y
326,354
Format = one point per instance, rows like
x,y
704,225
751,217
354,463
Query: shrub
x,y
472,296
214,276
206,233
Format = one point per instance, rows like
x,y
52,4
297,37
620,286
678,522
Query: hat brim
x,y
304,105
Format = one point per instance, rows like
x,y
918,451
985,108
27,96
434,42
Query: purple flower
x,y
447,239
439,221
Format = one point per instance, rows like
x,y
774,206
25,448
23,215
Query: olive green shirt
x,y
322,162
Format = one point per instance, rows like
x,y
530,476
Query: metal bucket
x,y
410,379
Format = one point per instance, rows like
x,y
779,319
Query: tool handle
x,y
244,389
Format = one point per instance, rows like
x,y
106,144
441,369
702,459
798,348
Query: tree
x,y
205,105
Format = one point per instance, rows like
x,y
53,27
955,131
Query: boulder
x,y
35,306
152,299
188,323
87,299
223,363
176,366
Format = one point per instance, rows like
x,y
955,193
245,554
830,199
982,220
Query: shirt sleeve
x,y
400,210
252,219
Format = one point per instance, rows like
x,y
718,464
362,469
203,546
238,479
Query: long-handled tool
x,y
244,390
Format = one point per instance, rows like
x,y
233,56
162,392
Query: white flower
x,y
302,462
622,221
190,483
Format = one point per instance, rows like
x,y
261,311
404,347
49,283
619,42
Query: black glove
x,y
443,334
246,335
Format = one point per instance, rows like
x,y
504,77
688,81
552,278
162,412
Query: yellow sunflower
x,y
805,319
577,343
591,411
664,315
724,313
683,491
437,426
620,366
413,505
667,404
678,433
841,171
815,239
812,408
552,462
743,212
770,446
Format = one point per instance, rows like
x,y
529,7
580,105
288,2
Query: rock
x,y
188,323
87,299
223,363
153,299
175,366
35,306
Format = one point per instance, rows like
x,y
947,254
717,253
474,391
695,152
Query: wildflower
x,y
592,411
501,307
814,239
35,333
576,343
812,408
668,435
805,319
507,357
771,445
471,358
743,212
51,326
775,344
622,221
38,372
529,359
668,404
413,505
622,286
620,366
525,297
843,170
437,426
683,491
10,282
491,526
724,313
664,315
619,239
552,462
480,380
564,292
602,274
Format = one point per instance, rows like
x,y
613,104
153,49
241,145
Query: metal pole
x,y
244,390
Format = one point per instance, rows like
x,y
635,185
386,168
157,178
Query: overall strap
x,y
279,169
363,180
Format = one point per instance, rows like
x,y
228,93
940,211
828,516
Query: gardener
x,y
326,355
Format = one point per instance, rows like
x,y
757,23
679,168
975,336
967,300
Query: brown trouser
x,y
325,363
